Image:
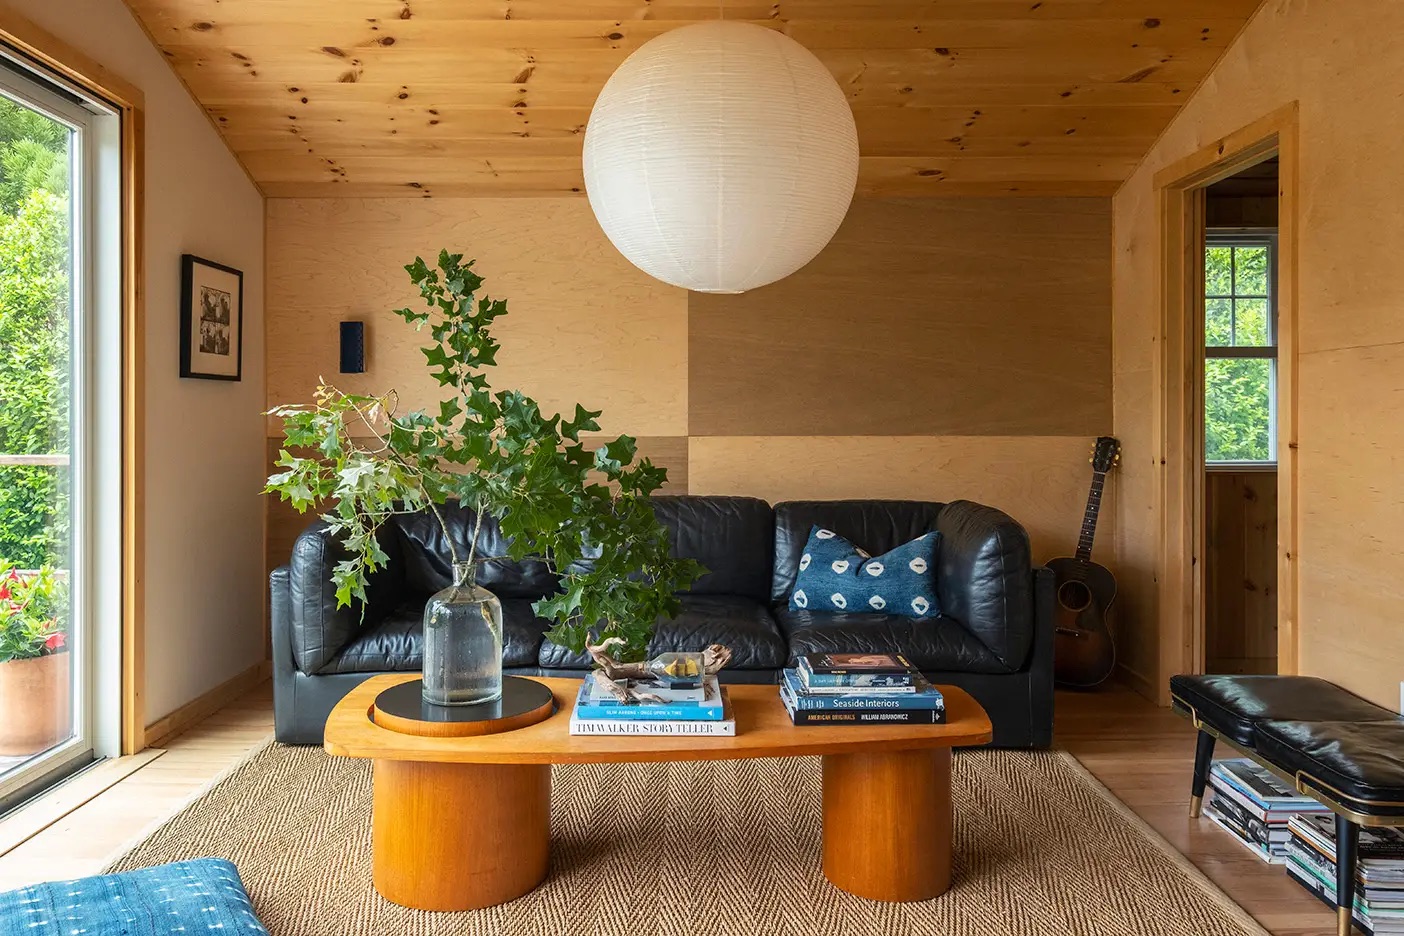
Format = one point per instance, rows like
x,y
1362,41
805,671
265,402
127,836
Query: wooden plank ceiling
x,y
491,97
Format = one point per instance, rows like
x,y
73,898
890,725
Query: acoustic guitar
x,y
1084,652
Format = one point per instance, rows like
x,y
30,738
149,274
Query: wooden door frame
x,y
1179,425
49,53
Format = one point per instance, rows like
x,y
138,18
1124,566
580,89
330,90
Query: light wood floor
x,y
1142,753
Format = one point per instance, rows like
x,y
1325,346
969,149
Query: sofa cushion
x,y
836,575
931,644
732,536
743,624
1235,705
983,578
428,567
396,644
876,525
320,627
1358,764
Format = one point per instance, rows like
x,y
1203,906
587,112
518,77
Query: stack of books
x,y
1254,806
1379,880
700,710
859,689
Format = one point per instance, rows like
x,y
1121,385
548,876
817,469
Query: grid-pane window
x,y
1240,349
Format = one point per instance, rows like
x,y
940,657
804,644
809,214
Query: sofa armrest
x,y
983,578
1041,659
280,621
317,628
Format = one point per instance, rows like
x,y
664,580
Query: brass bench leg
x,y
1347,846
1203,760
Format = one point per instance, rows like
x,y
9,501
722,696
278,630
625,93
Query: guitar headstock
x,y
1105,454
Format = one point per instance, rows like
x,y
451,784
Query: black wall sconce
x,y
353,347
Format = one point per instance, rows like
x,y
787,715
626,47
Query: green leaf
x,y
622,449
449,410
582,421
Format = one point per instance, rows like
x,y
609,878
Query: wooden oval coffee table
x,y
462,823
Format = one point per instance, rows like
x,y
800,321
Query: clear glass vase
x,y
463,642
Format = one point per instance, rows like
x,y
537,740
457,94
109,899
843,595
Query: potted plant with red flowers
x,y
35,695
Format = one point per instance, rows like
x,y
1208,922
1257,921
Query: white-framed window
x,y
60,420
1240,348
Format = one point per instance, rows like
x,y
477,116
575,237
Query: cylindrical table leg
x,y
887,823
460,836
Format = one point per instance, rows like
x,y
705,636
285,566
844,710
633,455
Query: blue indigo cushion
x,y
835,575
200,896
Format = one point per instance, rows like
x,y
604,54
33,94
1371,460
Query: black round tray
x,y
519,696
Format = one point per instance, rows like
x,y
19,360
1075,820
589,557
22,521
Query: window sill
x,y
1227,467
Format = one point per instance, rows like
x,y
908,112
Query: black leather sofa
x,y
994,637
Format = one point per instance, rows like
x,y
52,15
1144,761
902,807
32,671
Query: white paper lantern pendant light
x,y
720,157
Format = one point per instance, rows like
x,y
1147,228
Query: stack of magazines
x,y
1254,806
665,709
859,689
1379,881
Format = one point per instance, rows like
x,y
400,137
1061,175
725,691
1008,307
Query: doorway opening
x,y
1239,331
1226,399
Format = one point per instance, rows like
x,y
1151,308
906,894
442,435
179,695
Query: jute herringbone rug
x,y
725,847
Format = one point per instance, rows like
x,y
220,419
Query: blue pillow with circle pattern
x,y
835,575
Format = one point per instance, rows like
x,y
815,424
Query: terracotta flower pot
x,y
36,703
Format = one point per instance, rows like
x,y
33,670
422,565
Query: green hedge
x,y
34,337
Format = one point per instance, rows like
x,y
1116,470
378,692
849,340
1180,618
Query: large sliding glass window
x,y
51,375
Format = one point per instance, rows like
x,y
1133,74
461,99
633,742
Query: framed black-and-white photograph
x,y
211,319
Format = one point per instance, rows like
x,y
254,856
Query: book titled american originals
x,y
857,670
926,696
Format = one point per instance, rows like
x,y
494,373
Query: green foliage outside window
x,y
34,332
1237,391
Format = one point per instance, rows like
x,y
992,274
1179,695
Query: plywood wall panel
x,y
1331,59
1240,572
1352,523
931,316
1041,481
585,325
998,384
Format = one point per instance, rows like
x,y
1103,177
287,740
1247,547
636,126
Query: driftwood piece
x,y
612,674
715,658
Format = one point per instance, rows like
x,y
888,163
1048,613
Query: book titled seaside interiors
x,y
700,705
923,696
889,671
936,716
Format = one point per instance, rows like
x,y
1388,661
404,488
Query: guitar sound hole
x,y
1074,596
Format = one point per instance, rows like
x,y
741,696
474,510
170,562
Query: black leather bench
x,y
1328,743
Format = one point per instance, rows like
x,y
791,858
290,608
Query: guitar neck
x,y
1089,516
